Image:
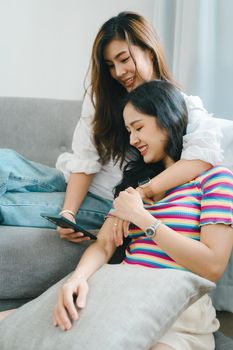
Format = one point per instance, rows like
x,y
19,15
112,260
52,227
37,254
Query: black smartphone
x,y
66,223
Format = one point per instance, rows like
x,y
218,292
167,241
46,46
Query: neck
x,y
168,162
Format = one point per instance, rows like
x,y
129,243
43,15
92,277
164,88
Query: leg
x,y
23,209
193,330
24,187
93,211
19,174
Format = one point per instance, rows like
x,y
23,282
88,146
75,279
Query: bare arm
x,y
207,258
94,257
177,174
76,191
98,253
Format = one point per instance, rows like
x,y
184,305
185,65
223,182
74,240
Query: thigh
x,y
24,209
93,211
193,330
22,175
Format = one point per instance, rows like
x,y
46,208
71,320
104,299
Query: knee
x,y
8,153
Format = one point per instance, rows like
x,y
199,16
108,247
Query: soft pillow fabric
x,y
128,307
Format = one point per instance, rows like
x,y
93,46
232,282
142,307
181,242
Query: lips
x,y
129,82
143,150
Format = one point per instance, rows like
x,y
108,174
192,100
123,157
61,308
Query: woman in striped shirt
x,y
190,227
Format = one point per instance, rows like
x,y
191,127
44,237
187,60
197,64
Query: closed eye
x,y
125,59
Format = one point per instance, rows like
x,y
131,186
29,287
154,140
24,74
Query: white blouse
x,y
204,140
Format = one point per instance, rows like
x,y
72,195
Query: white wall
x,y
45,45
197,37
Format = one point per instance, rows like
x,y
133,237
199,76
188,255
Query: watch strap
x,y
144,183
151,231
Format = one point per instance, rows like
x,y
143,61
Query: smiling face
x,y
146,136
120,60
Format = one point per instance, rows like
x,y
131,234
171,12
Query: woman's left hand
x,y
127,204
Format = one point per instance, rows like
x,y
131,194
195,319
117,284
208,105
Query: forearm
x,y
177,174
77,189
189,253
97,254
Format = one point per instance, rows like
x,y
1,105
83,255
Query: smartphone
x,y
66,223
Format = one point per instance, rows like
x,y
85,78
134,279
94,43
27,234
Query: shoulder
x,y
217,176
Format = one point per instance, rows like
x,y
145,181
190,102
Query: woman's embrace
x,y
189,228
173,201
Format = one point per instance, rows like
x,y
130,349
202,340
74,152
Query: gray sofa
x,y
41,129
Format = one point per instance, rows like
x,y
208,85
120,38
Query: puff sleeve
x,y
85,157
203,138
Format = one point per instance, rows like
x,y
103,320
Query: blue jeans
x,y
28,188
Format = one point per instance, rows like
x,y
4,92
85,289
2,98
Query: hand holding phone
x,y
66,223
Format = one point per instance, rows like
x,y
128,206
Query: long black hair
x,y
164,102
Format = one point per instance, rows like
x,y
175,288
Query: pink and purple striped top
x,y
208,199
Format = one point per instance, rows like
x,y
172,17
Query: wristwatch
x,y
151,231
144,183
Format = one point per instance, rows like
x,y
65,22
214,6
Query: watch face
x,y
150,232
144,183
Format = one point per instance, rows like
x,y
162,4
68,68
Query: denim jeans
x,y
28,188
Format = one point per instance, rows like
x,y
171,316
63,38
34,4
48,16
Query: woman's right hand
x,y
65,310
69,234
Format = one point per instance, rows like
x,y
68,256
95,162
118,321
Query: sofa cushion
x,y
128,307
40,129
222,342
39,259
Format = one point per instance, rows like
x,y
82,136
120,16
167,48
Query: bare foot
x,y
4,314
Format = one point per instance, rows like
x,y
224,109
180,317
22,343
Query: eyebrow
x,y
135,121
117,56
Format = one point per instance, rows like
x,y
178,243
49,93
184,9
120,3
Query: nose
x,y
120,70
134,140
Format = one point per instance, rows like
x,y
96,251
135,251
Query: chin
x,y
147,160
130,88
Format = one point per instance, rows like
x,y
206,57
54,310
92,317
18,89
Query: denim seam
x,y
32,182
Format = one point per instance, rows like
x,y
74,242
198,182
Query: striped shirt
x,y
208,199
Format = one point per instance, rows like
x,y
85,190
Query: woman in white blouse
x,y
126,53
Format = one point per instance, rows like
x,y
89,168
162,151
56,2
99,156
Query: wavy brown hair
x,y
106,92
